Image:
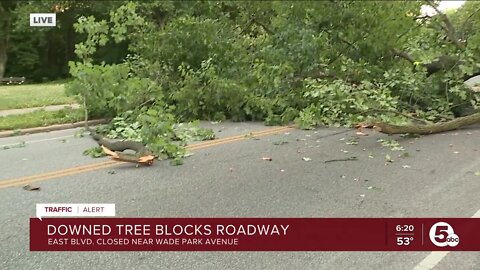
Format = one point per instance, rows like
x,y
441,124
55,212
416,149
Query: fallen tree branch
x,y
403,55
397,112
268,30
249,24
142,156
115,149
253,21
350,44
464,24
341,159
428,128
448,27
443,62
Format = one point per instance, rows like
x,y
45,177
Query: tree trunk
x,y
429,128
4,35
3,56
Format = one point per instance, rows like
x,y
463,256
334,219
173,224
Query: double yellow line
x,y
261,133
110,163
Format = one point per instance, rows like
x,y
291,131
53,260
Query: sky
x,y
444,5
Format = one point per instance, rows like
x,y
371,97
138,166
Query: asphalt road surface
x,y
436,179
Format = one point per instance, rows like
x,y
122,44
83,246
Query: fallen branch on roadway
x,y
141,157
428,128
342,159
115,149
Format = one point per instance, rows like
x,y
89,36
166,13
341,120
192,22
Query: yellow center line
x,y
23,181
54,173
238,138
110,163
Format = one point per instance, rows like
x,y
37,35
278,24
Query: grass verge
x,y
40,118
33,95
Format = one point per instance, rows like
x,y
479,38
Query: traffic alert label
x,y
43,19
75,210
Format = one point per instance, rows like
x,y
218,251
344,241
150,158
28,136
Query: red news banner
x,y
255,234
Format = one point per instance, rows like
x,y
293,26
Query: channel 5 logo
x,y
442,235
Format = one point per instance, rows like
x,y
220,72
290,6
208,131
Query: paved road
x,y
232,180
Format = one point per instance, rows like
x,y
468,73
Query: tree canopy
x,y
311,62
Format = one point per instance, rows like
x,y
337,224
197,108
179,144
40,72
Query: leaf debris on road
x,y
282,142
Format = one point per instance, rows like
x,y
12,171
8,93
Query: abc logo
x,y
442,235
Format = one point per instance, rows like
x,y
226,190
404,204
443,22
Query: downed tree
x,y
428,128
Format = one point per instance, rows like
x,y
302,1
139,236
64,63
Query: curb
x,y
11,133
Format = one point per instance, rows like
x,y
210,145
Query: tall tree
x,y
44,52
6,8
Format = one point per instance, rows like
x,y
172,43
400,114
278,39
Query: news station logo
x,y
43,19
442,235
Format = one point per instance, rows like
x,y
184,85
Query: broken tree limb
x,y
409,116
428,128
403,55
443,62
448,27
341,159
144,158
115,149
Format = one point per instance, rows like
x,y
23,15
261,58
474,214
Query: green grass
x,y
40,118
33,95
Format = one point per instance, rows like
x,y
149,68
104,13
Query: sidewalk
x,y
29,110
